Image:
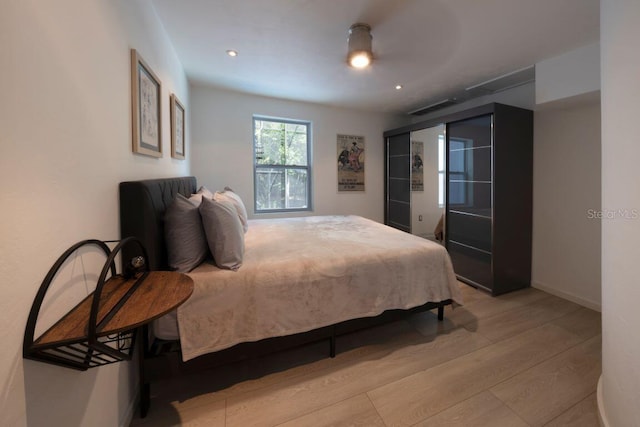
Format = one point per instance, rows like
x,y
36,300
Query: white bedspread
x,y
304,273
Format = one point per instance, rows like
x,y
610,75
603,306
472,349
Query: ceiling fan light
x,y
360,54
360,59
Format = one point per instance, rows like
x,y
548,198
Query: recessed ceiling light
x,y
398,87
232,52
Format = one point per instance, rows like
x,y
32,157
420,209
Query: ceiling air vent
x,y
433,107
504,82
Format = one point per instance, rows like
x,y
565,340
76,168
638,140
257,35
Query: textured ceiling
x,y
296,49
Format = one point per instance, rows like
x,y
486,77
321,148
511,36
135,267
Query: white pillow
x,y
205,192
224,232
231,196
196,198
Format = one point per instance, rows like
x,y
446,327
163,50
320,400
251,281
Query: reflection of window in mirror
x,y
428,179
460,163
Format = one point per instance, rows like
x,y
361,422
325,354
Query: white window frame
x,y
257,167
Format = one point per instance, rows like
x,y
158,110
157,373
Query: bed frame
x,y
142,207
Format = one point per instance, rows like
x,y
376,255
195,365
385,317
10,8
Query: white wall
x,y
567,156
223,147
571,74
619,389
66,141
566,200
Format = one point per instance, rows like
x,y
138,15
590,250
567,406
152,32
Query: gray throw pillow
x,y
184,235
224,232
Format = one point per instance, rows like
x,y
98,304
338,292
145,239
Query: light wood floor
x,y
522,359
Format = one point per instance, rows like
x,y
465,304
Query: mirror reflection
x,y
428,182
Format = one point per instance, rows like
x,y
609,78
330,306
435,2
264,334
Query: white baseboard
x,y
602,416
131,409
573,298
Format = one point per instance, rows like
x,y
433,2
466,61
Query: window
x,y
460,162
282,164
441,171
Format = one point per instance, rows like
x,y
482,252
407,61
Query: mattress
x,y
300,274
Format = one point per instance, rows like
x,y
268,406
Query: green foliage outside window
x,y
281,152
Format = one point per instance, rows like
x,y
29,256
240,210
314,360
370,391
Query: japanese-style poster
x,y
417,174
350,163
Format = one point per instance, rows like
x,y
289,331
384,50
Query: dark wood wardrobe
x,y
488,192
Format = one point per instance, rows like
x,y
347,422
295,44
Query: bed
x,y
301,279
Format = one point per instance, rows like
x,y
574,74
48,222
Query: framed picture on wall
x,y
146,109
350,162
417,166
177,128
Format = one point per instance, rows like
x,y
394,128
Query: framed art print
x,y
177,128
145,108
350,162
417,166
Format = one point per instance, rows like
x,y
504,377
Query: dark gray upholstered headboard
x,y
142,206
